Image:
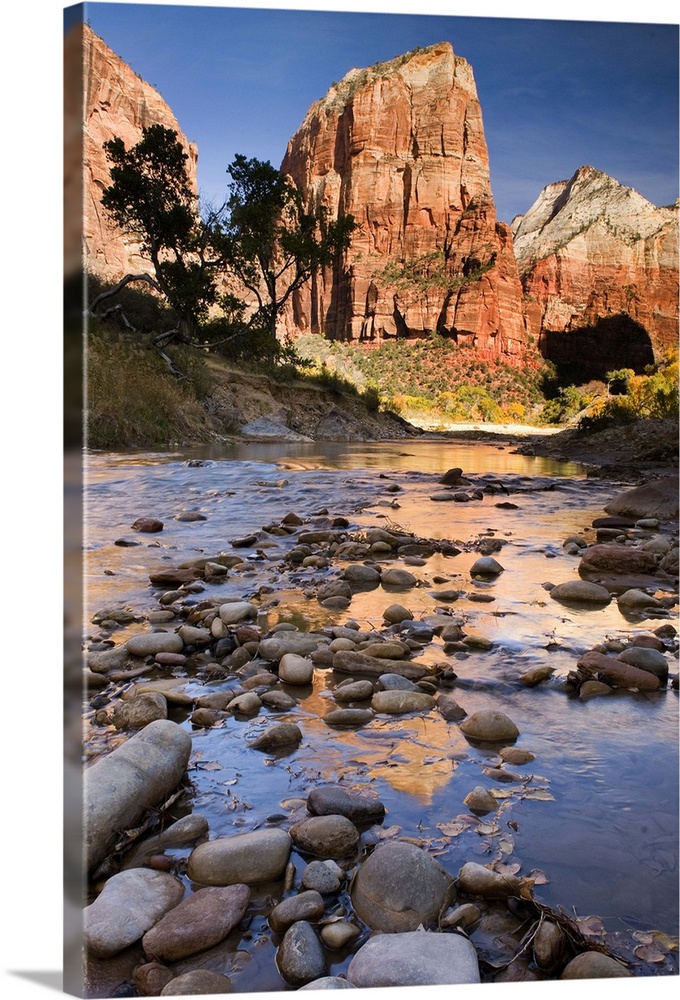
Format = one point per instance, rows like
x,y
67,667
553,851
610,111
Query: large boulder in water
x,y
400,887
135,777
658,498
414,959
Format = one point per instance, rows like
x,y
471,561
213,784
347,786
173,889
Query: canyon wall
x,y
115,102
595,254
401,147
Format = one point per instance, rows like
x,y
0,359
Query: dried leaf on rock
x,y
539,793
210,765
457,825
502,793
504,869
538,877
488,829
385,834
506,844
590,926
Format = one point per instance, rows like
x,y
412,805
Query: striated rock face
x,y
116,102
591,252
401,147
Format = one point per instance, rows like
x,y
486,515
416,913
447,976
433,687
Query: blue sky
x,y
555,95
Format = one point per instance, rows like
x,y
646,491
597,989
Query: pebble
x,y
308,905
295,669
648,659
335,801
476,880
302,643
356,691
349,717
635,598
300,957
198,922
323,876
581,590
151,643
489,726
147,524
150,978
418,958
398,887
283,734
185,831
251,858
449,709
339,934
593,689
328,983
199,982
329,836
464,915
395,682
479,800
486,566
139,711
396,613
362,575
594,965
514,755
534,676
246,704
401,702
278,701
237,611
398,578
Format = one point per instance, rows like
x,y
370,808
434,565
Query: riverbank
x,y
331,650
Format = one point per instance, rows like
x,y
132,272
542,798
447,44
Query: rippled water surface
x,y
599,816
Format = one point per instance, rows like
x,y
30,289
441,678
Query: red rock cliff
x,y
589,249
116,102
401,147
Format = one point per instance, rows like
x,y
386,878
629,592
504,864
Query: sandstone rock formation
x,y
115,102
401,147
591,251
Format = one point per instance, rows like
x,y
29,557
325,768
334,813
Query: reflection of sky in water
x,y
607,840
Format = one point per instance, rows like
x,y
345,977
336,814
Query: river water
x,y
597,811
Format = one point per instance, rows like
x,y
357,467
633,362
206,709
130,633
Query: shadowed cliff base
x,y
591,351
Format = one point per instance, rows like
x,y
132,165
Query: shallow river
x,y
600,815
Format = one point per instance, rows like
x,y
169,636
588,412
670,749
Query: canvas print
x,y
373,675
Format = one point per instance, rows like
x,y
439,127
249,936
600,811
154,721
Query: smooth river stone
x,y
130,903
185,831
400,887
139,711
199,982
300,957
581,591
252,858
387,650
154,642
419,958
620,674
400,702
335,801
326,836
284,734
396,613
594,965
301,643
236,612
646,659
400,578
358,691
308,905
295,669
198,922
328,983
135,777
617,559
347,661
349,717
489,726
486,566
476,880
634,598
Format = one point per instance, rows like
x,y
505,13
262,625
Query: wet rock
x,y
449,709
150,978
619,674
464,915
400,887
489,726
420,631
335,801
550,946
151,643
306,905
671,562
277,701
398,578
479,642
246,704
349,717
338,934
648,659
534,676
149,525
135,777
251,858
334,589
414,959
634,598
199,982
357,691
323,876
198,922
139,711
486,566
301,643
237,611
594,965
353,662
396,613
186,830
617,558
172,577
476,880
361,575
401,702
284,734
326,836
328,983
300,957
593,689
173,689
479,800
386,650
395,682
657,499
129,904
192,636
295,669
581,591
518,971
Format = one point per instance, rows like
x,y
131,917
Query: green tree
x,y
273,245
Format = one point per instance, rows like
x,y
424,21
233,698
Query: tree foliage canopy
x,y
262,244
